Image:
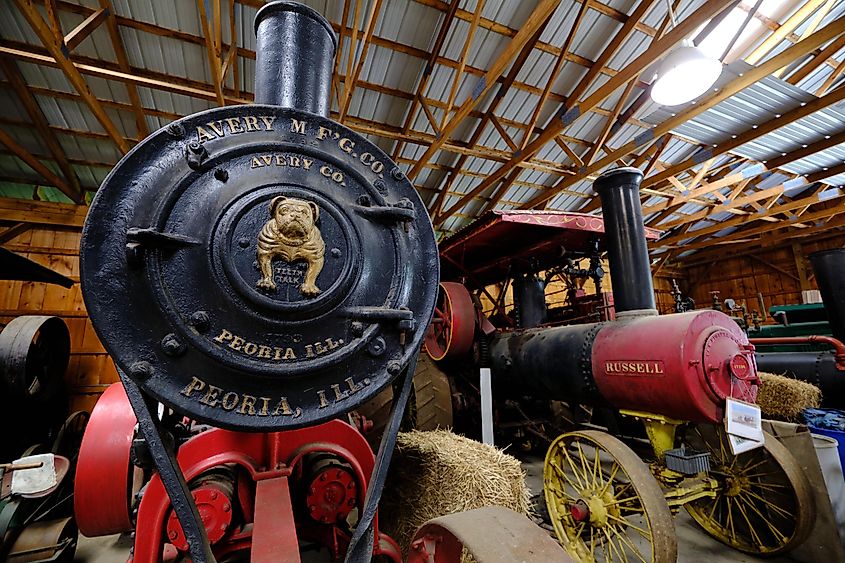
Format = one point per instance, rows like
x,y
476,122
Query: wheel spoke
x,y
563,474
781,537
771,505
610,478
644,533
730,519
582,484
624,539
751,529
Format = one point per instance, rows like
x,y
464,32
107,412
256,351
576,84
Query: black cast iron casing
x,y
170,268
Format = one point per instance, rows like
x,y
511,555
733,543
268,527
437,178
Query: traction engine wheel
x,y
429,408
604,503
452,329
764,504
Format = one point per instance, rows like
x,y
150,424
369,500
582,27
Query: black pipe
x,y
829,267
295,49
529,299
630,267
818,368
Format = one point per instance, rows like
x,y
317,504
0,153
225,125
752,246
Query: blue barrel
x,y
836,435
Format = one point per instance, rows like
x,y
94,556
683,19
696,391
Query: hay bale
x,y
783,398
437,473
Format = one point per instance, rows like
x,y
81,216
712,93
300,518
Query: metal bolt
x,y
323,477
357,328
394,367
364,200
175,130
397,174
377,346
226,507
221,174
200,320
172,346
172,535
213,495
380,187
243,242
141,370
195,147
336,252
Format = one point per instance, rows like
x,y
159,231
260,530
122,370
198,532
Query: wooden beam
x,y
506,83
366,41
572,110
459,72
773,267
834,29
50,41
13,75
84,29
785,29
37,165
831,78
428,67
14,231
210,28
42,213
537,18
558,66
801,266
817,61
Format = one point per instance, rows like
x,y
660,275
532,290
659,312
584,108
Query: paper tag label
x,y
740,445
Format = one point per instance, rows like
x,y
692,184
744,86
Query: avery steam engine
x,y
260,269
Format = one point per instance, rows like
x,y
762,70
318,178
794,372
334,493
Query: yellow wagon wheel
x,y
604,503
764,504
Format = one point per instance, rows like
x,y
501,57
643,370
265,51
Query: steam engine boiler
x,y
681,366
256,272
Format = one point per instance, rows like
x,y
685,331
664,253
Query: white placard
x,y
740,445
743,419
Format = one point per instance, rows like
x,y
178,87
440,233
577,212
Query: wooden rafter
x,y
537,18
84,29
437,204
427,70
459,72
42,213
573,109
210,23
123,61
53,45
365,46
822,36
23,154
785,29
13,75
749,135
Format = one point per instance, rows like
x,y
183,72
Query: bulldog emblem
x,y
292,235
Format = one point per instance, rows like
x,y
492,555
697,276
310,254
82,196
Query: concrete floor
x,y
694,546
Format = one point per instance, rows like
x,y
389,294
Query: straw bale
x,y
437,473
783,398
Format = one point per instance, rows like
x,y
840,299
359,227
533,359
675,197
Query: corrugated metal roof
x,y
397,74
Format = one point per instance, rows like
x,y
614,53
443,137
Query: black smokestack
x,y
829,267
295,48
630,267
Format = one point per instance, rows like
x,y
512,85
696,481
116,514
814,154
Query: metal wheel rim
x,y
614,471
775,494
452,327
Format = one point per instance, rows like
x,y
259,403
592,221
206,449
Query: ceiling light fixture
x,y
684,74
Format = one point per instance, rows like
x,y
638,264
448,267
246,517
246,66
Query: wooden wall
x,y
779,274
90,369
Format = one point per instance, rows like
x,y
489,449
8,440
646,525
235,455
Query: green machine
x,y
793,320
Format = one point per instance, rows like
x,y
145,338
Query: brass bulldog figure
x,y
292,235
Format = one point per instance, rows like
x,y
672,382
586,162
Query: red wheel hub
x,y
579,511
215,509
452,329
332,495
